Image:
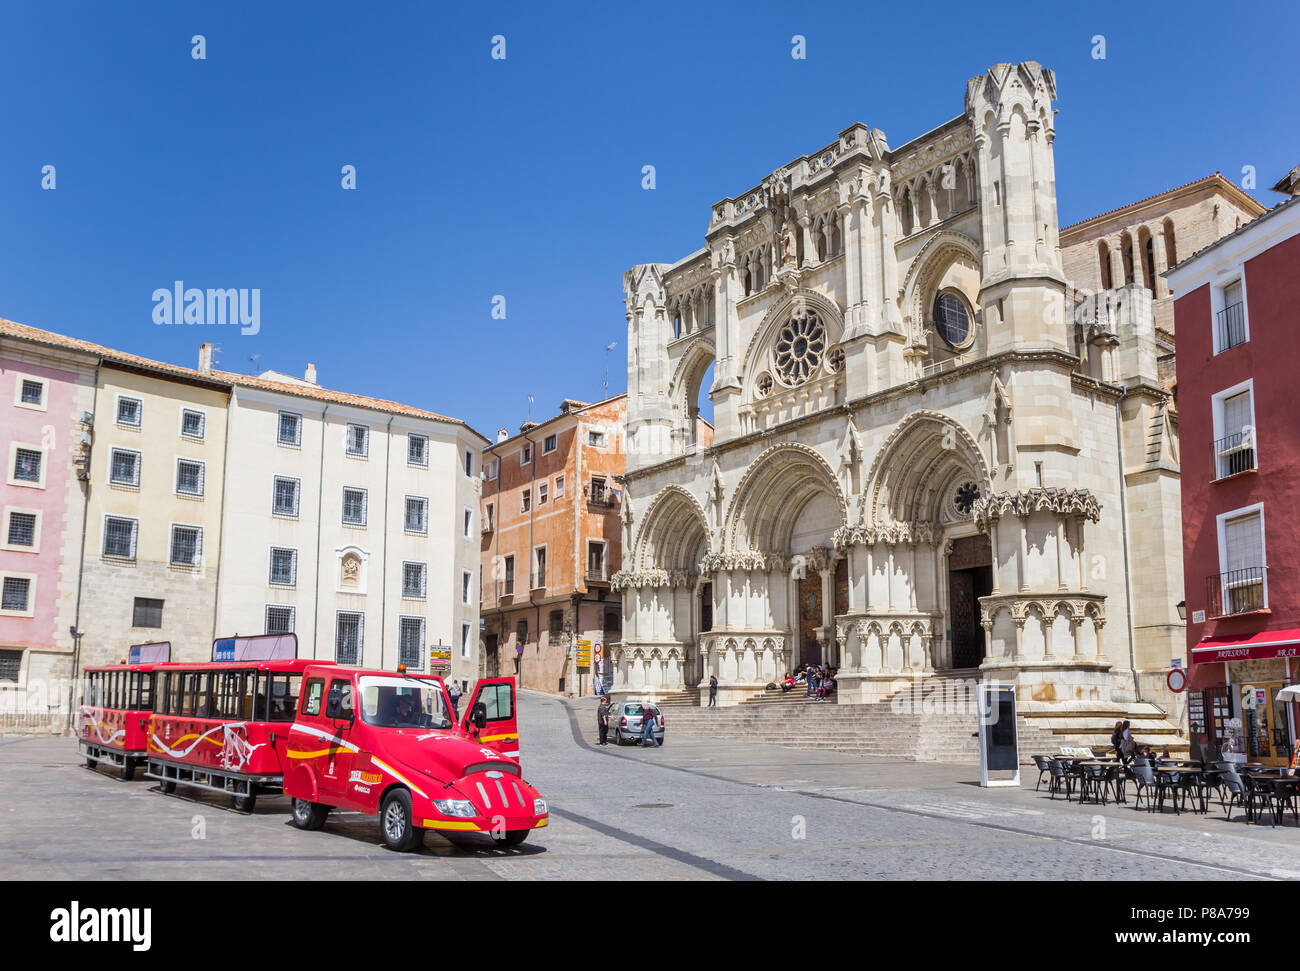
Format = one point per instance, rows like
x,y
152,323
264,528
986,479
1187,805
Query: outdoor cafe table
x,y
1184,770
1118,780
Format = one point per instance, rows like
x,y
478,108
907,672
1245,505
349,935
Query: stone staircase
x,y
943,731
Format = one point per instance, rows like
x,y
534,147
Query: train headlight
x,y
539,806
454,807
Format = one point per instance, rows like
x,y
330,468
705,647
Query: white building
x,y
351,521
922,454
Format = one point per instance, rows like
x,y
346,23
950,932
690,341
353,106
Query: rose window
x,y
799,348
967,493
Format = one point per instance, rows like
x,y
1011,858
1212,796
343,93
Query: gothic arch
x,y
773,491
684,388
674,532
917,464
939,252
765,334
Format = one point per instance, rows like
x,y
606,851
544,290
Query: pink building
x,y
42,397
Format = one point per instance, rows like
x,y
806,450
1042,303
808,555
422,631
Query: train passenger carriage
x,y
224,725
116,705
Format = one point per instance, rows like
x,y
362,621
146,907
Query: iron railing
x,y
1234,453
597,574
1236,592
1232,326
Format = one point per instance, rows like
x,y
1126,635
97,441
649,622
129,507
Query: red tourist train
x,y
257,719
117,703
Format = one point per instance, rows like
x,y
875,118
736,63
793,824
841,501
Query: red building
x,y
1239,405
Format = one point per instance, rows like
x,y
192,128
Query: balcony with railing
x,y
537,580
1234,454
506,587
597,573
1236,592
1231,324
602,496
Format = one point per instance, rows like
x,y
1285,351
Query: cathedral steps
x,y
690,698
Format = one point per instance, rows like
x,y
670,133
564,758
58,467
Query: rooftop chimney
x,y
205,357
310,376
502,434
527,426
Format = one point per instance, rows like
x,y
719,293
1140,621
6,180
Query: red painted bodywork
x,y
249,746
125,729
353,765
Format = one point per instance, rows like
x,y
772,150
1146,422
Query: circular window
x,y
967,494
952,319
799,348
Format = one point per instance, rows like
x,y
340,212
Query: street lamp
x,y
1182,610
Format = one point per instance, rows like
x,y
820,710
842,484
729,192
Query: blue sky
x,y
522,177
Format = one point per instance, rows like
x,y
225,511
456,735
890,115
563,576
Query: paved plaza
x,y
696,809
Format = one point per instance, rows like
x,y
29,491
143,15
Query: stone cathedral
x,y
932,454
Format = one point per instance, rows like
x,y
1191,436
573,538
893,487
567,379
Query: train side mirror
x,y
479,716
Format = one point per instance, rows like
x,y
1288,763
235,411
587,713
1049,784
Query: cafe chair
x,y
1044,768
1061,778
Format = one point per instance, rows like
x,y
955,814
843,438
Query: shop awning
x,y
1248,647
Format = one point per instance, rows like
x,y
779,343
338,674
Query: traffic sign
x,y
1177,680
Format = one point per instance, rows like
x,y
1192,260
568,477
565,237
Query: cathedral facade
x,y
924,433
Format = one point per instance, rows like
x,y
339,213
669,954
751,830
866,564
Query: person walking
x,y
713,691
602,720
453,693
648,724
812,680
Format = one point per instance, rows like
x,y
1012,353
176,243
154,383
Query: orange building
x,y
552,538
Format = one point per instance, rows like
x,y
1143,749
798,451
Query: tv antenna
x,y
252,362
530,407
608,347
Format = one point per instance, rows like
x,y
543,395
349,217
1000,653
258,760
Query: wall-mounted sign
x,y
583,653
439,656
1177,680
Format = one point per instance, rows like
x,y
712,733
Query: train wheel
x,y
246,803
396,824
512,838
128,771
309,815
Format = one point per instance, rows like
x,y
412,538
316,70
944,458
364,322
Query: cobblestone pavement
x,y
697,809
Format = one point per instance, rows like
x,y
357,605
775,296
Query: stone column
x,y
1023,562
1161,261
913,209
810,257
1060,554
934,204
866,262
1076,627
852,281
889,263
993,545
1116,245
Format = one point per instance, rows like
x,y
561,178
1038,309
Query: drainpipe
x,y
320,511
383,556
1123,519
532,518
221,521
81,563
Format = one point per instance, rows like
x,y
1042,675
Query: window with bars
x,y
193,424
417,450
189,477
555,623
284,567
410,631
147,612
186,545
17,591
22,529
124,467
354,507
11,664
129,411
358,440
285,497
413,580
33,392
119,537
521,632
279,619
290,429
27,465
348,633
417,514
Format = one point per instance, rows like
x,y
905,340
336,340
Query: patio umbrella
x,y
1289,693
